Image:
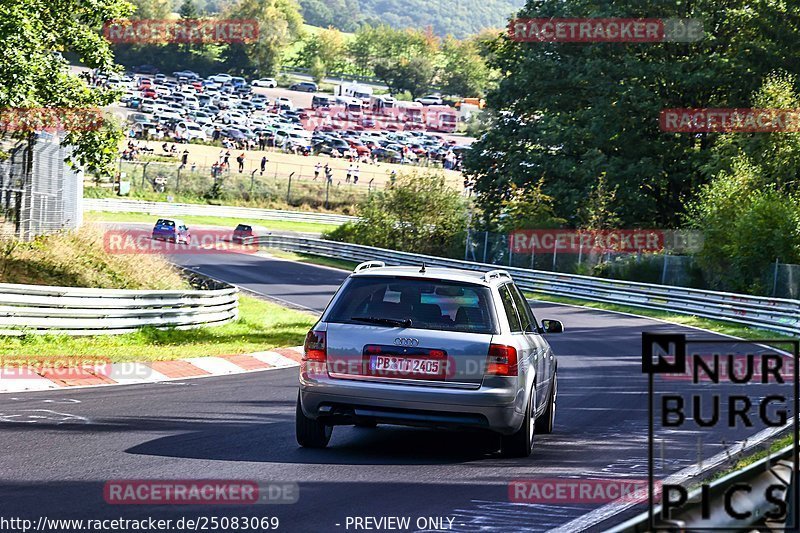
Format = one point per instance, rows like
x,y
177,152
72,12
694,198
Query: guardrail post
x,y
289,189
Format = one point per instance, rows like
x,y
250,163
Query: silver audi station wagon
x,y
431,347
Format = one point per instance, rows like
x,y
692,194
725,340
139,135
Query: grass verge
x,y
277,225
261,326
80,259
341,264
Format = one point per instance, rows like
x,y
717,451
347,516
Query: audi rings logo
x,y
406,341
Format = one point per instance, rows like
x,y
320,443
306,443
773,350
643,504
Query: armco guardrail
x,y
767,313
39,309
773,470
166,209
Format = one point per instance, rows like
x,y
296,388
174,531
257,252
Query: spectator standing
x,y
263,164
184,158
349,173
240,160
355,175
317,168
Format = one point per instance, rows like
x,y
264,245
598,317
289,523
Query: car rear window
x,y
429,304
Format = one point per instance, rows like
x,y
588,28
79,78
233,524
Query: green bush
x,y
421,214
746,226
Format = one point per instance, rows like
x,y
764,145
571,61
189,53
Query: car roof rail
x,y
369,264
496,274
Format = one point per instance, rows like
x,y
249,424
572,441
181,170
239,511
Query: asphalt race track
x,y
57,449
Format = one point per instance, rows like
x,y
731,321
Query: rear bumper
x,y
340,401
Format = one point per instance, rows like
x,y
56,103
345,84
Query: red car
x,y
359,148
149,93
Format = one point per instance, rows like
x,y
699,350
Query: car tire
x,y
520,444
310,433
545,422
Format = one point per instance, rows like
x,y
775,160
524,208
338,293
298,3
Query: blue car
x,y
169,229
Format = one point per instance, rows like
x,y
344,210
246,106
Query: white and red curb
x,y
150,372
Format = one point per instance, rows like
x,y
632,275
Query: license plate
x,y
386,365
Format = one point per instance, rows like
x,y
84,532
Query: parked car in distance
x,y
322,101
435,347
146,69
389,156
188,74
265,82
304,86
173,230
431,99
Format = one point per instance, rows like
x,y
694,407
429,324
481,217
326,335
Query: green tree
x,y
318,70
188,10
414,75
464,72
364,49
777,155
528,208
569,112
151,9
601,211
279,24
31,75
745,227
420,213
749,213
327,46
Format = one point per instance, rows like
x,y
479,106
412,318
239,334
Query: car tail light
x,y
315,347
315,354
501,361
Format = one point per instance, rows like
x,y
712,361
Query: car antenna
x,y
422,270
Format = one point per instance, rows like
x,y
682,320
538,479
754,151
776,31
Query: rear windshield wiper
x,y
398,322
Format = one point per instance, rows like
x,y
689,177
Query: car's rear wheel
x,y
520,444
310,433
545,423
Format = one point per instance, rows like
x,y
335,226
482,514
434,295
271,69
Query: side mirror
x,y
552,326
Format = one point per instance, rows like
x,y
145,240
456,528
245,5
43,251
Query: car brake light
x,y
315,347
501,361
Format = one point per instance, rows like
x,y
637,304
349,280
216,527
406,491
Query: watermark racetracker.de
x,y
743,120
50,119
604,30
200,241
198,492
187,31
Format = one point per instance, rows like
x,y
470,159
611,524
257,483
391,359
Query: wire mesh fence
x,y
296,188
646,267
39,192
